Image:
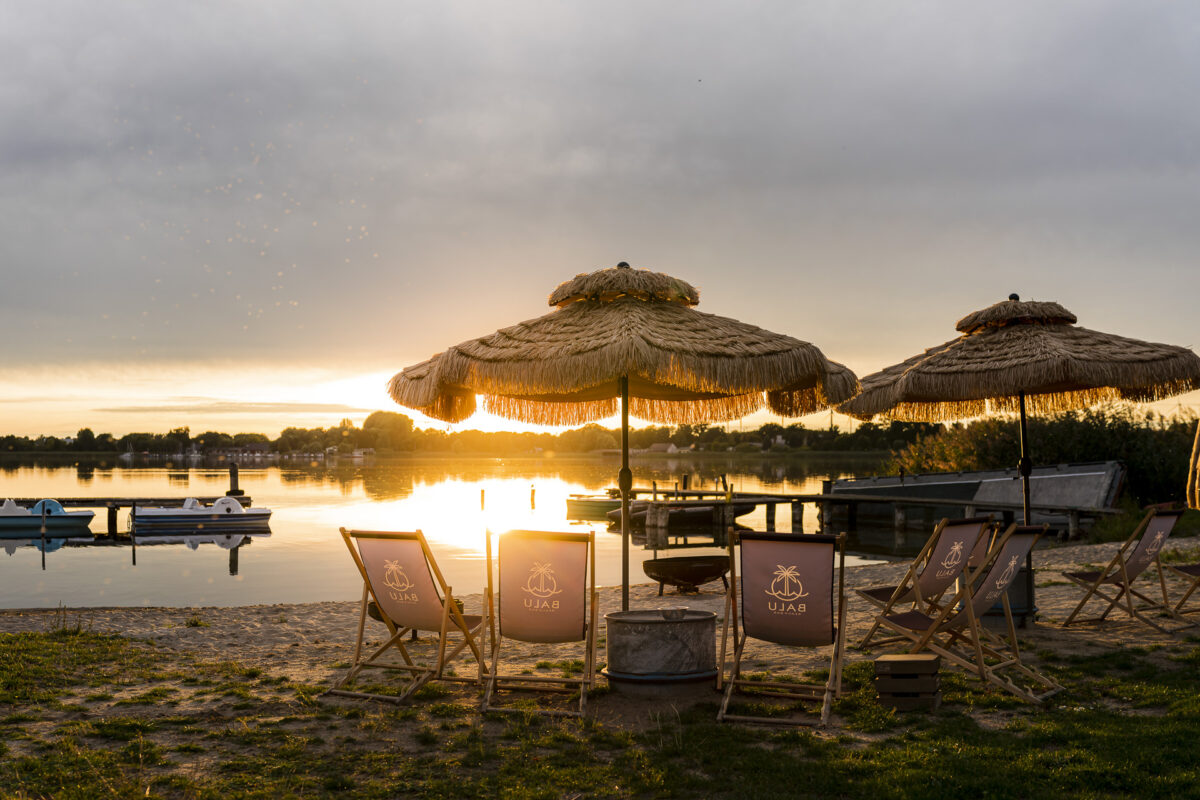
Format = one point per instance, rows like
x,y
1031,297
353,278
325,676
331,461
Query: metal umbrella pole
x,y
625,482
1025,468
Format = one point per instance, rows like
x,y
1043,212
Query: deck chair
x,y
545,593
788,596
956,632
1114,584
951,548
403,583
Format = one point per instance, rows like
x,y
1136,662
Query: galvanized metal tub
x,y
656,650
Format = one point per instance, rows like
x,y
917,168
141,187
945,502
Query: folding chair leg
x,y
1183,600
733,677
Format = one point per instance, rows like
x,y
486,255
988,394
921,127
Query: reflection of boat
x,y
46,517
686,572
591,506
678,516
10,545
225,514
227,541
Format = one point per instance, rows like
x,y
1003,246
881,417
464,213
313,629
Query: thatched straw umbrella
x,y
1024,356
628,340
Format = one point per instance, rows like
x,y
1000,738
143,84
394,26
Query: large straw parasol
x,y
1024,357
625,340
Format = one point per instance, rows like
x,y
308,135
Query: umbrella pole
x,y
625,482
1025,467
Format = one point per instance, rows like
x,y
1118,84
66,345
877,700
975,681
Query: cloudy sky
x,y
241,216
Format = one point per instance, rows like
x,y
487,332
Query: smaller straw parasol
x,y
1030,349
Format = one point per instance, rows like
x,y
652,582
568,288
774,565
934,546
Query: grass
x,y
1127,726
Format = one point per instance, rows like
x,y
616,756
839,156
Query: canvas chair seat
x,y
544,593
404,589
473,620
953,546
1136,555
957,634
913,620
788,596
884,593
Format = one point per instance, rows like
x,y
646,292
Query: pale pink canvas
x,y
1154,537
1004,569
787,590
543,584
955,546
401,582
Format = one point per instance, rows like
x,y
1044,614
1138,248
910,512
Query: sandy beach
x,y
307,642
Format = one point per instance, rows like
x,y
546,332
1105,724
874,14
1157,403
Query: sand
x,y
306,642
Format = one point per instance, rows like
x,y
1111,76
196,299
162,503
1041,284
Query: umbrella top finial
x,y
608,285
1014,311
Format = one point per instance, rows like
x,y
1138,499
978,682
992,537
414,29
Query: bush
x,y
1156,450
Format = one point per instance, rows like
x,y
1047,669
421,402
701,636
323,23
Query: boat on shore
x,y
46,517
592,506
225,514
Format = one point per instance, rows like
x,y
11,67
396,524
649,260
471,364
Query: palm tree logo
x,y
954,557
786,586
1157,544
541,582
1008,573
394,577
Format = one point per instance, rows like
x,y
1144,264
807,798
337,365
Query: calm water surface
x,y
304,559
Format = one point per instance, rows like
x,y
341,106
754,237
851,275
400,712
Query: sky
x,y
246,216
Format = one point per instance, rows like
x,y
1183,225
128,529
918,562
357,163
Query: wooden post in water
x,y
532,504
112,520
770,517
481,499
797,516
234,491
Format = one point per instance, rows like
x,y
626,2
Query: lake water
x,y
304,559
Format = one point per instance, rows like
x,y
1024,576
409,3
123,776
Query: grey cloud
x,y
163,165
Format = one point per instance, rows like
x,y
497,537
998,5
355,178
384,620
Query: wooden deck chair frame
x,y
919,588
1141,550
524,627
449,621
956,631
832,687
1190,573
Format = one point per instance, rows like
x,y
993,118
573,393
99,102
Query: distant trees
x,y
1154,449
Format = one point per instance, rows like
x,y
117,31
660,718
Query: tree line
x,y
390,432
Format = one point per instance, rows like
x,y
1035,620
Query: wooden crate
x,y
909,682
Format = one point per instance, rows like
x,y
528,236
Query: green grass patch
x,y
1127,726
